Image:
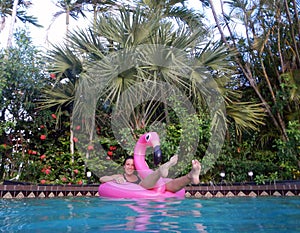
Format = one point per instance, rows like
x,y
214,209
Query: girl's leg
x,y
150,181
192,177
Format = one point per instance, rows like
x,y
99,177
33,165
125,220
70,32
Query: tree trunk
x,y
12,23
2,23
291,23
223,38
67,20
246,69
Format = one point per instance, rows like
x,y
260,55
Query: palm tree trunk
x,y
217,22
2,23
71,139
296,17
12,24
94,14
67,19
279,124
292,32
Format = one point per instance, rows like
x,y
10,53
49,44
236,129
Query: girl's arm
x,y
117,178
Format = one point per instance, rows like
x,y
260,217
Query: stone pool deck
x,y
19,190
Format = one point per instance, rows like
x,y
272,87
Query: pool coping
x,y
23,190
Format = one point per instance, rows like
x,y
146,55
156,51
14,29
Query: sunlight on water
x,y
81,214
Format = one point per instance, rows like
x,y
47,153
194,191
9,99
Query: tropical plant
x,y
71,9
20,70
17,10
85,54
267,54
85,46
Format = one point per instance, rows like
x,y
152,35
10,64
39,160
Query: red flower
x,y
47,171
75,171
43,137
78,127
63,179
109,153
112,148
53,116
90,147
33,152
42,126
79,182
52,76
98,130
43,157
43,181
75,139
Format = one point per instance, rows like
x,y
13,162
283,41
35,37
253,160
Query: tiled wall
x,y
46,191
282,189
49,191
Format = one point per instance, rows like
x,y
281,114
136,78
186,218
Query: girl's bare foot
x,y
195,172
164,169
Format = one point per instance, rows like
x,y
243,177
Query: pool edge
x,y
9,191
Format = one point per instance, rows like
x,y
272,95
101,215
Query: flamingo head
x,y
152,139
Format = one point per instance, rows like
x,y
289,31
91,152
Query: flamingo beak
x,y
157,155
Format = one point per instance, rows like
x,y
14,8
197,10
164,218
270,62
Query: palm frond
x,y
60,95
65,61
188,16
247,115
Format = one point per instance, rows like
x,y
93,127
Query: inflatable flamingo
x,y
131,190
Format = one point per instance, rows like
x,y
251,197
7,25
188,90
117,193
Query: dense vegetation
x,y
247,61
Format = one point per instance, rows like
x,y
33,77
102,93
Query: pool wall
x,y
19,190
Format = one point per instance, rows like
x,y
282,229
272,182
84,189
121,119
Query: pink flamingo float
x,y
130,190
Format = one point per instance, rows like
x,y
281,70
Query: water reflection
x,y
163,215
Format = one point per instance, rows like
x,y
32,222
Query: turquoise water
x,y
82,214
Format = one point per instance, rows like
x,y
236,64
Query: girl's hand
x,y
120,180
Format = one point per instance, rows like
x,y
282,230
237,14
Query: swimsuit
x,y
135,182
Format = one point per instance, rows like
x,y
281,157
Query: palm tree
x,y
84,46
175,10
70,8
87,50
16,10
75,9
270,27
88,42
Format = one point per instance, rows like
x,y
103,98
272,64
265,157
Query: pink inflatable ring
x,y
130,190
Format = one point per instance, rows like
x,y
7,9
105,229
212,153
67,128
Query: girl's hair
x,y
128,157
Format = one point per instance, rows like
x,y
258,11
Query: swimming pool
x,y
91,214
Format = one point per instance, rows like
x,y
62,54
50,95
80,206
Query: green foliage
x,y
260,179
289,151
291,148
28,134
20,68
238,159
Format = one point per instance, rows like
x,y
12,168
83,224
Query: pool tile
x,y
197,191
252,194
264,193
219,194
289,193
7,195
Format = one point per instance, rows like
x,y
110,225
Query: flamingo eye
x,y
148,136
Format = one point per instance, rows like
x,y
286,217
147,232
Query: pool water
x,y
92,214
